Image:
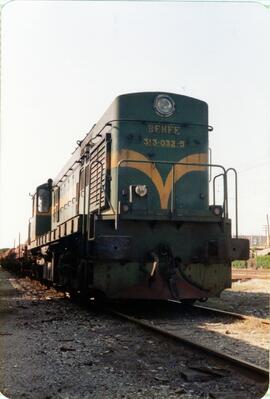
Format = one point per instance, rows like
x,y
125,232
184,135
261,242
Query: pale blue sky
x,y
63,63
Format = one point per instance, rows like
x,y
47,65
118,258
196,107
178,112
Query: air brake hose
x,y
154,267
188,280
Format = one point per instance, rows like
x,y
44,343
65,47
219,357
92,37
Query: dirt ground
x,y
249,297
51,348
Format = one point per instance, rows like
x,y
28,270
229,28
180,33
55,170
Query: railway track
x,y
247,274
232,314
194,365
172,328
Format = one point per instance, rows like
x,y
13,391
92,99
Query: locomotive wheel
x,y
100,297
74,295
78,284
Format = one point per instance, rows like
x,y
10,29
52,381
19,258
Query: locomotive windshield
x,y
43,200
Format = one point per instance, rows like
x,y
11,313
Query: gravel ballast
x,y
53,348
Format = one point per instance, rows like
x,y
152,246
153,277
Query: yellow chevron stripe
x,y
151,171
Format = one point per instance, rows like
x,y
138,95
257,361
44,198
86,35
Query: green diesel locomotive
x,y
129,214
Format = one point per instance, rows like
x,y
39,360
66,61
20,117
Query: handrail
x,y
107,198
172,163
102,188
236,198
214,187
84,199
143,121
172,195
172,191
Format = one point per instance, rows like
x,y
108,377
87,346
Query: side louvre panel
x,y
99,179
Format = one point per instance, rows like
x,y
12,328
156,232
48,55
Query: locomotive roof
x,y
127,106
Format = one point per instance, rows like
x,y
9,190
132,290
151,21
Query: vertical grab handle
x,y
172,190
236,198
214,186
225,203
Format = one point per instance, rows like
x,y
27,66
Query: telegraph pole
x,y
19,245
268,231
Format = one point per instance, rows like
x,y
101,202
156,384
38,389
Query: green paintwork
x,y
138,135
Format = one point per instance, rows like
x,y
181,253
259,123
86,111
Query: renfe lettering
x,y
163,129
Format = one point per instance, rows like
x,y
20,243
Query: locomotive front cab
x,y
159,201
152,154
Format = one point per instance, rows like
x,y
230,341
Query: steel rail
x,y
234,314
224,312
243,364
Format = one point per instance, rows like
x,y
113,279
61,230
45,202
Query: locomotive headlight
x,y
164,105
141,190
216,209
125,208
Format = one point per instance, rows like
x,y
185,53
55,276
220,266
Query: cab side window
x,y
56,200
43,200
